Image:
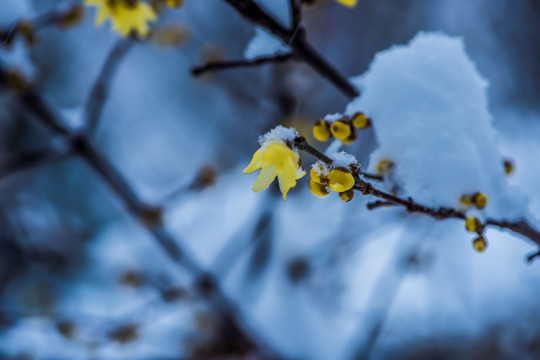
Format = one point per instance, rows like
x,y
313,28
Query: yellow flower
x,y
348,3
103,8
127,16
275,159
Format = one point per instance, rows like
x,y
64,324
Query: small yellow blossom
x,y
480,200
340,180
360,120
318,189
348,3
127,16
340,129
321,130
472,224
276,159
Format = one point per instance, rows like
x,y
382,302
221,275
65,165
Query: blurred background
x,y
81,278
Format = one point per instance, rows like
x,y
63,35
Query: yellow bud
x,y
350,139
346,195
340,129
479,244
508,167
321,130
17,81
465,201
174,4
170,36
71,17
340,179
318,189
316,174
480,200
383,166
472,224
360,120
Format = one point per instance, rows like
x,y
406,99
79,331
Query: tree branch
x,y
520,227
206,284
296,14
32,159
296,39
100,90
224,65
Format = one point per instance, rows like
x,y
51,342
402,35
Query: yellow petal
x,y
348,3
255,163
287,177
340,180
127,19
267,175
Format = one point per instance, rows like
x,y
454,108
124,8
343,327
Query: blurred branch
x,y
295,38
28,160
101,88
151,217
441,213
296,14
63,17
224,65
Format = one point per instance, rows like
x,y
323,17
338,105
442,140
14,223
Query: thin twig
x,y
225,65
296,14
206,284
30,160
520,227
100,91
296,40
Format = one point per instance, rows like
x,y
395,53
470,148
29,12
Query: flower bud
x,y
71,17
465,201
321,130
346,195
508,167
479,244
174,4
318,189
360,120
340,179
383,166
472,224
480,200
340,129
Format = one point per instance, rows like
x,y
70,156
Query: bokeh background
x,y
81,278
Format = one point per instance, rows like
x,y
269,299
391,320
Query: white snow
x,y
430,115
264,44
279,134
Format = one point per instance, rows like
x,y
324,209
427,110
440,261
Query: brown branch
x,y
206,284
296,39
100,90
225,65
520,227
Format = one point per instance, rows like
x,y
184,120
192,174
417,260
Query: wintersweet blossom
x,y
276,159
348,3
127,16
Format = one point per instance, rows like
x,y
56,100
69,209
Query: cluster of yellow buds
x,y
473,224
326,178
343,129
478,199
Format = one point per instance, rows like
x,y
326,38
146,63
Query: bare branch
x,y
224,65
206,284
297,41
31,160
296,14
101,88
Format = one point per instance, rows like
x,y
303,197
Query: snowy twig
x,y
100,90
441,213
224,65
32,159
206,284
296,39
